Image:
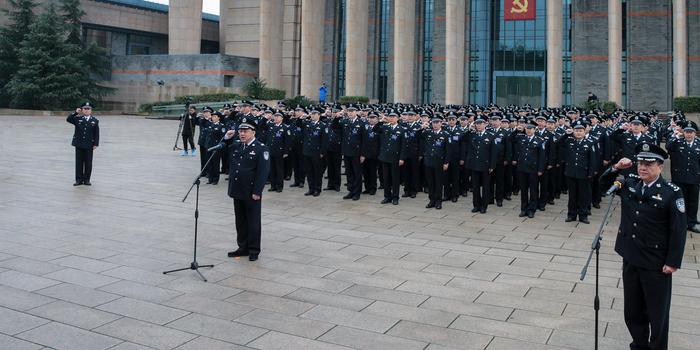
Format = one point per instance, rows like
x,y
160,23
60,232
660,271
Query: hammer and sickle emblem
x,y
519,6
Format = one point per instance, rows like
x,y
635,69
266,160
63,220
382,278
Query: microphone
x,y
607,171
616,186
219,146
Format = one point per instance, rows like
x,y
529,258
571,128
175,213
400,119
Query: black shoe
x,y
404,195
316,194
522,214
584,220
596,205
356,198
213,182
431,204
272,190
294,185
348,196
438,205
483,210
550,202
540,208
253,257
237,253
287,178
695,228
515,193
365,192
475,210
372,192
279,190
77,183
308,193
209,182
499,203
454,200
570,219
413,195
531,214
395,201
87,183
385,201
490,202
328,188
381,187
337,189
556,196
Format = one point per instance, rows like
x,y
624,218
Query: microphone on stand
x,y
615,186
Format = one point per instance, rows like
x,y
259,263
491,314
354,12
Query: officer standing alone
x,y
651,240
86,138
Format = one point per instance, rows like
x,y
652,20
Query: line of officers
x,y
448,151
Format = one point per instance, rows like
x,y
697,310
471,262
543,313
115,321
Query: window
x,y
427,64
340,73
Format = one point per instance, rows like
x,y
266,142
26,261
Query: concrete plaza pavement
x,y
81,267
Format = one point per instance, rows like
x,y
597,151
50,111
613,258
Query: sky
x,y
208,6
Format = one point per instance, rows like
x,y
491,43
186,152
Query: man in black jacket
x,y
86,138
391,155
684,149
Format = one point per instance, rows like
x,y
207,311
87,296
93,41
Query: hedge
x,y
181,100
298,101
272,94
607,106
353,99
688,104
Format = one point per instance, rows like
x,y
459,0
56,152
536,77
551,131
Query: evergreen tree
x,y
49,75
20,18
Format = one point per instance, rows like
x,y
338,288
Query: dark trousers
x,y
225,156
579,197
434,177
515,178
497,184
452,180
529,191
507,180
187,139
481,189
464,180
647,303
690,196
296,165
369,173
314,172
277,172
83,164
247,214
213,166
596,195
559,180
410,173
549,183
333,161
392,179
203,159
353,173
543,194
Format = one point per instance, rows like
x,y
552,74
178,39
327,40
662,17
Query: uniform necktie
x,y
644,188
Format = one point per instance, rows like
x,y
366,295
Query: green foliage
x,y
607,106
195,99
353,99
48,75
272,94
298,101
257,89
20,17
687,104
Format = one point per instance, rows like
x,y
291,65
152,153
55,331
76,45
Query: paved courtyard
x,y
81,267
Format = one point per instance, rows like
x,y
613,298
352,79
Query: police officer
x,y
315,144
352,136
651,240
581,166
411,171
501,151
202,121
684,149
479,157
627,140
86,138
434,152
370,150
279,141
296,157
333,155
452,189
391,155
249,167
530,159
215,133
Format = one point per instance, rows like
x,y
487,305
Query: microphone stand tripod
x,y
595,247
194,265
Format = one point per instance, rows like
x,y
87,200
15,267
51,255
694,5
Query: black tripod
x,y
595,247
194,265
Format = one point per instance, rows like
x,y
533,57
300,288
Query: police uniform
x,y
685,171
202,139
370,150
627,142
435,150
86,137
391,151
333,160
279,141
352,137
580,167
452,189
545,185
249,168
479,157
651,235
498,177
530,160
215,133
315,144
411,170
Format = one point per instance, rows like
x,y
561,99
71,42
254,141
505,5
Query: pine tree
x,y
11,36
49,75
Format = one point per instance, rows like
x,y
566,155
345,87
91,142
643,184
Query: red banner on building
x,y
519,10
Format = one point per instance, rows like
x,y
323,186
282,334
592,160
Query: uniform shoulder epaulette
x,y
633,176
673,186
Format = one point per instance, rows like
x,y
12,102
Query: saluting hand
x,y
624,163
229,134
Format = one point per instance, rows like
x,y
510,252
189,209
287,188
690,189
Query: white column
x,y
184,27
615,51
454,50
356,23
270,56
554,53
404,50
680,48
312,15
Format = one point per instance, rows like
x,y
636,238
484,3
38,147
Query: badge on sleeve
x,y
266,155
680,204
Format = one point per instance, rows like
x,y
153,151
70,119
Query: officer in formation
x,y
86,138
448,151
651,241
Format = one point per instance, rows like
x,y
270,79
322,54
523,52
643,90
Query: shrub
x,y
202,98
298,101
607,106
353,99
687,104
272,94
255,88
